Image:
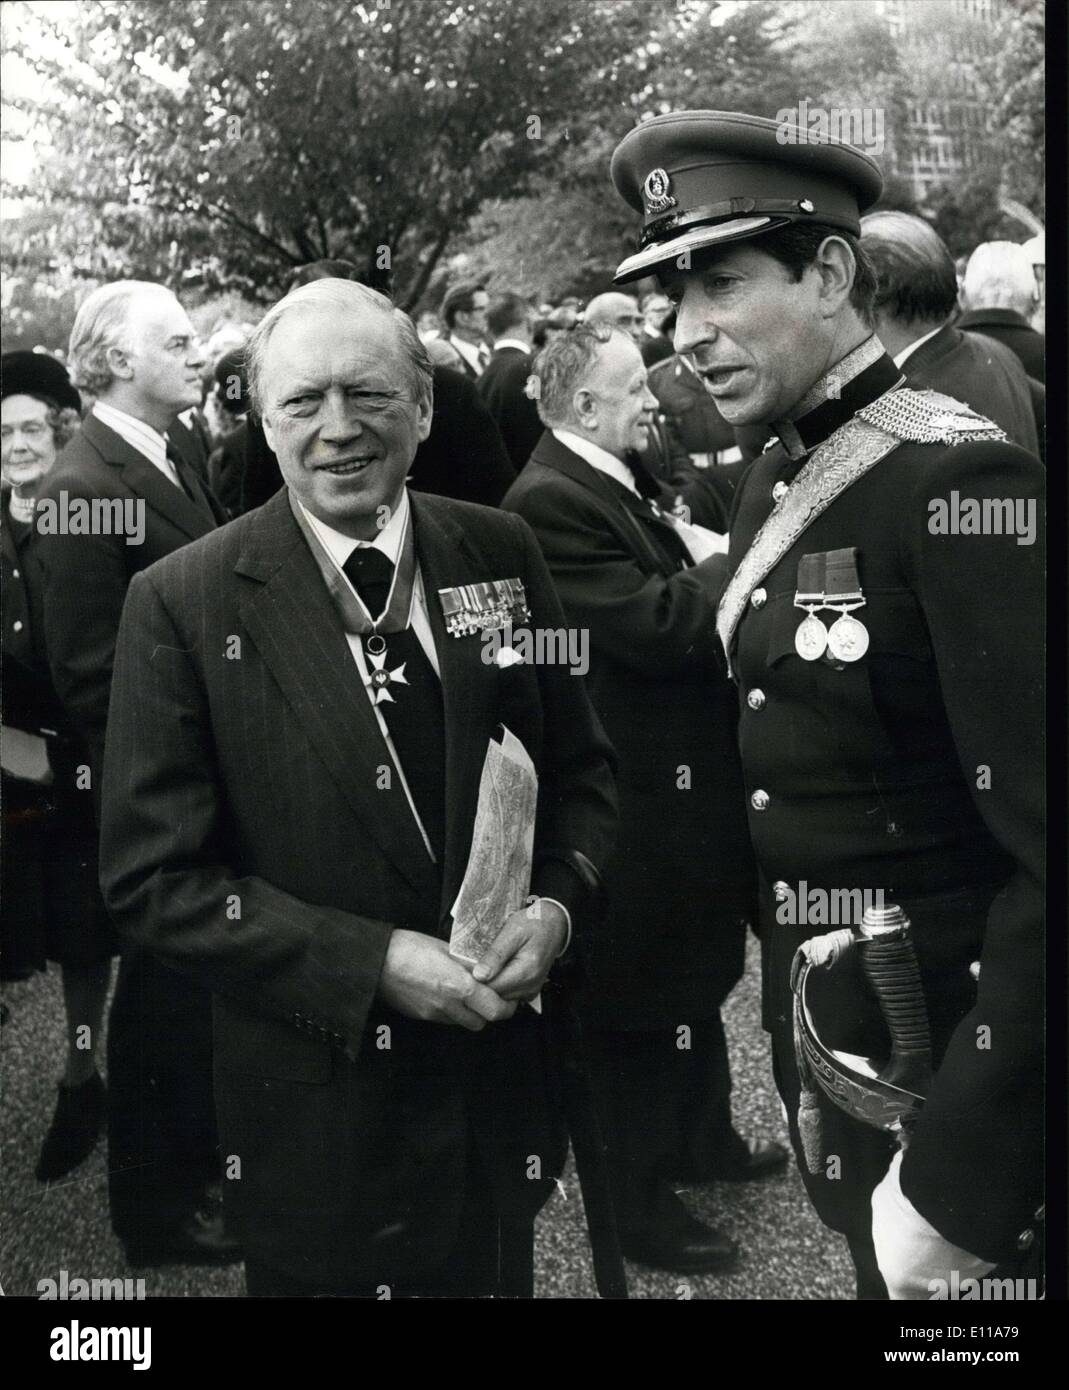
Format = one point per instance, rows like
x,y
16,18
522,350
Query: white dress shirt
x,y
900,357
598,458
513,343
139,436
699,541
476,357
339,548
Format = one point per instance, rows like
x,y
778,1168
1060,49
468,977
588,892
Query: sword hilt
x,y
890,965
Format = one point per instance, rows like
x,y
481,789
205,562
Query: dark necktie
x,y
414,715
190,484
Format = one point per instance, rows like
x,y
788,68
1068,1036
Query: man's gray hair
x,y
101,324
338,294
915,277
1000,275
562,367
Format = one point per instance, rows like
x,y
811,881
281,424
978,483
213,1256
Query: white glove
x,y
909,1250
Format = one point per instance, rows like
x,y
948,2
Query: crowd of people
x,y
185,724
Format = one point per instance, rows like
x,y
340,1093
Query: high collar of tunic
x,y
854,382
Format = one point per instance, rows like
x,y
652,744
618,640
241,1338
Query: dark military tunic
x,y
916,770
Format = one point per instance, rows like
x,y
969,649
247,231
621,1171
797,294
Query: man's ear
x,y
119,365
836,267
424,416
269,434
584,406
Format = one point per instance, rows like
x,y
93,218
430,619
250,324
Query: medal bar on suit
x,y
481,607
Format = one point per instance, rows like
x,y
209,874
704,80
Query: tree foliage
x,y
237,140
217,144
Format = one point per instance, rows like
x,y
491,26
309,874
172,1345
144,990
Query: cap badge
x,y
655,189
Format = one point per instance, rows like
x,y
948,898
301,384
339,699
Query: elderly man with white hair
x,y
681,883
295,832
999,296
134,350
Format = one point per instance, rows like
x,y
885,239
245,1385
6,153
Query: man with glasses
x,y
464,314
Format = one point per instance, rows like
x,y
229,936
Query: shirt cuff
x,y
567,922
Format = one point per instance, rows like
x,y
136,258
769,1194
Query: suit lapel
x,y
146,480
469,686
631,526
291,619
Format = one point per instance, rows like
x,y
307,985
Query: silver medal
x,y
848,639
811,638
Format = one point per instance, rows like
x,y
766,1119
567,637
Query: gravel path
x,y
787,1254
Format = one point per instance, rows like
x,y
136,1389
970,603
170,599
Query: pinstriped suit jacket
x,y
249,839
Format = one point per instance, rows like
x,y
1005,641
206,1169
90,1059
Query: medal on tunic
x,y
848,638
811,639
493,604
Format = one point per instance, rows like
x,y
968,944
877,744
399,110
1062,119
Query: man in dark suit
x,y
681,885
502,385
916,296
295,831
464,315
878,643
999,294
134,348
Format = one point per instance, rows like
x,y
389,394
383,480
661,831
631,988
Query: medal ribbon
x,y
841,582
350,606
837,463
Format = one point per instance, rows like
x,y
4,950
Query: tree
x,y
967,213
238,140
1016,84
569,234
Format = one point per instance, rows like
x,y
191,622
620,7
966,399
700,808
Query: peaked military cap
x,y
704,177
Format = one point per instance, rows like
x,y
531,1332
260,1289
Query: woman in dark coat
x,y
52,907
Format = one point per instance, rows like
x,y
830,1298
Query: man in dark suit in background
x,y
134,348
916,296
296,828
999,294
464,315
682,883
502,385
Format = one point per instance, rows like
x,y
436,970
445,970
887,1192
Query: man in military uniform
x,y
884,624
